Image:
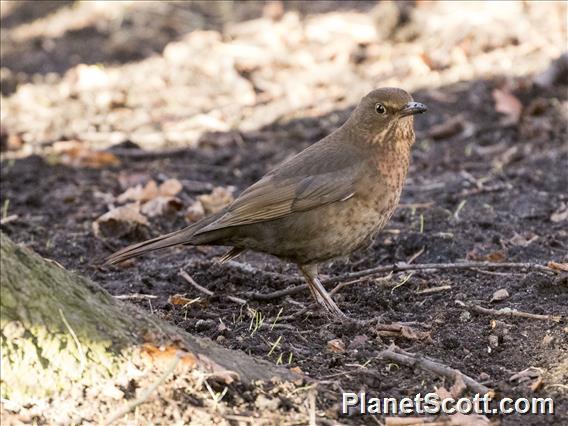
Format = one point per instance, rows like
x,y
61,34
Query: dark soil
x,y
486,195
57,206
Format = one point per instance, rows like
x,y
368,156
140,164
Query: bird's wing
x,y
301,184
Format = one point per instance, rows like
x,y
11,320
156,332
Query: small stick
x,y
9,219
434,289
400,356
208,292
499,274
135,296
277,294
406,267
508,312
441,267
144,397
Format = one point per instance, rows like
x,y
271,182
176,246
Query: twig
x,y
401,267
498,274
9,219
277,294
416,255
400,356
434,289
312,406
508,312
208,292
135,296
249,269
144,397
139,154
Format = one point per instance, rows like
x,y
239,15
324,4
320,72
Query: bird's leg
x,y
318,291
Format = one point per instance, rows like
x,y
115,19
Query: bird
x,y
321,204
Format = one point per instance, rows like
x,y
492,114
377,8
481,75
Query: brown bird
x,y
321,204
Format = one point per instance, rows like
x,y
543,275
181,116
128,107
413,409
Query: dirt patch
x,y
490,190
56,206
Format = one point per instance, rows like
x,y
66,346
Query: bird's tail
x,y
183,236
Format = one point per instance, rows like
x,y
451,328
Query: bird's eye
x,y
380,108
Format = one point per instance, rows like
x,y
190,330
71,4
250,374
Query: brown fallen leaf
x,y
170,187
195,212
336,346
164,354
120,221
139,193
296,370
161,205
522,241
218,199
495,256
507,104
563,267
178,299
77,154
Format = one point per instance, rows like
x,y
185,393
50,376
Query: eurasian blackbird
x,y
321,204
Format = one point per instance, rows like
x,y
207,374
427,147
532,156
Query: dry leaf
x,y
170,187
562,267
119,222
139,193
496,256
218,199
161,205
178,299
506,103
77,154
521,241
336,346
499,295
195,212
296,370
164,354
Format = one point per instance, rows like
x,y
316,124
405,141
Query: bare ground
x,y
489,191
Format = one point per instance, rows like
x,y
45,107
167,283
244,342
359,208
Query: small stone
x,y
465,316
499,295
493,341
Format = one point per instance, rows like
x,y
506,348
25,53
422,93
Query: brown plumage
x,y
322,203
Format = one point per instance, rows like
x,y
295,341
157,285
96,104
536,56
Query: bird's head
x,y
385,112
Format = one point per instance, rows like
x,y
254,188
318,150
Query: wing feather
x,y
296,186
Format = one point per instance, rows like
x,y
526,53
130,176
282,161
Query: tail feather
x,y
168,240
183,236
